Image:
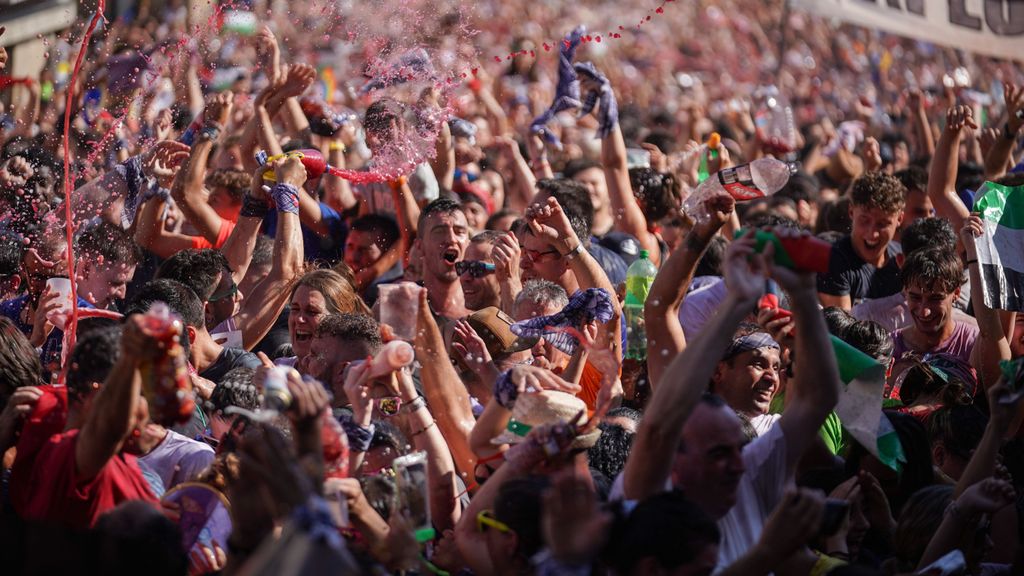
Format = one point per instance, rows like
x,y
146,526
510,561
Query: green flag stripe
x,y
852,362
1002,204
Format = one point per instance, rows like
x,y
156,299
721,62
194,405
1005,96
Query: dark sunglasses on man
x,y
476,268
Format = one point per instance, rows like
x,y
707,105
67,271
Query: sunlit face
x,y
308,307
873,229
476,215
541,261
480,292
361,250
597,186
327,360
443,241
225,301
749,381
710,459
101,285
930,310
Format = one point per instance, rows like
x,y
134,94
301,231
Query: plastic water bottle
x,y
774,122
639,278
758,179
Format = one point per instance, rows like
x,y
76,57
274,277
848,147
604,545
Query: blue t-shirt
x,y
50,355
316,247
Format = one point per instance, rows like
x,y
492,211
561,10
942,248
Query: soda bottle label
x,y
739,183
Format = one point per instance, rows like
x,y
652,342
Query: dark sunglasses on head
x,y
230,292
476,268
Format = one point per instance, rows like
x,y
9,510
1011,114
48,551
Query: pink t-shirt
x,y
959,344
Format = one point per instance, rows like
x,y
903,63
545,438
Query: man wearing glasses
x,y
478,273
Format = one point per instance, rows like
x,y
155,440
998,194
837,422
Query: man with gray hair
x,y
542,298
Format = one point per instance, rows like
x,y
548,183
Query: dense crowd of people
x,y
227,394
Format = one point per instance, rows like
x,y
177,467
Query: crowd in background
x,y
555,438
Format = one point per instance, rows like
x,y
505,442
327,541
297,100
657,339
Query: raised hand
x,y
470,346
162,160
529,378
309,400
218,109
163,124
549,223
289,170
269,54
958,118
985,497
15,172
719,210
1014,96
506,256
871,154
19,406
357,390
745,270
205,559
298,79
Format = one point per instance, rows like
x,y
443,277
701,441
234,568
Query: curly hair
x,y
657,192
235,182
879,190
935,269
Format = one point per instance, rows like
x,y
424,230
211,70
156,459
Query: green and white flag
x,y
860,404
1001,248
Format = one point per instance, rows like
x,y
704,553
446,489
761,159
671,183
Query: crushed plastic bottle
x,y
165,381
758,179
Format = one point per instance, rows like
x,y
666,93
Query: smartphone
x,y
835,513
637,158
413,493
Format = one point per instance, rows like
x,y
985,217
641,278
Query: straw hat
x,y
495,329
546,407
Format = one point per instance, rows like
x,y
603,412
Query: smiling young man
x,y
747,377
931,283
477,272
107,257
863,263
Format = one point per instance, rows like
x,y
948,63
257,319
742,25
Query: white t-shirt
x,y
764,422
760,490
177,459
378,195
701,303
893,313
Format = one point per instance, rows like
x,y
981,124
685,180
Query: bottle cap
x,y
645,254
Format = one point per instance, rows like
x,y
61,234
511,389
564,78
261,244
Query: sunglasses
x,y
485,519
536,255
475,268
229,293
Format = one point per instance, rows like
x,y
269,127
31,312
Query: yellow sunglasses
x,y
485,519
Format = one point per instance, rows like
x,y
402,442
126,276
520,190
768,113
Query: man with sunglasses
x,y
478,273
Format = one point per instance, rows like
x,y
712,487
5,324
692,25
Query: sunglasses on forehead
x,y
475,268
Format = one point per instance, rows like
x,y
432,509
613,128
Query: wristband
x,y
154,190
253,207
971,261
335,145
574,252
1008,134
425,428
505,391
359,438
209,132
413,405
286,197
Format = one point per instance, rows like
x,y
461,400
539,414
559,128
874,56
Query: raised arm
x,y
112,416
665,338
261,308
550,223
1001,153
524,182
151,234
192,196
814,391
629,217
922,128
942,176
443,389
650,461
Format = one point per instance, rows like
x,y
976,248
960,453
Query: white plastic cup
x,y
61,286
399,306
